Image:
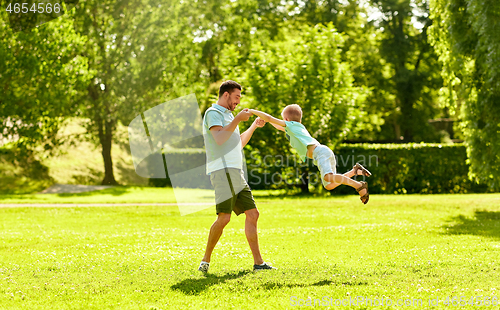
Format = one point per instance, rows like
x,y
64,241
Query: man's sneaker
x,y
204,267
264,266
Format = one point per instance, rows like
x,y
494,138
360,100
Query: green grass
x,y
399,247
125,194
119,194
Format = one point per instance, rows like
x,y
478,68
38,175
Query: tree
x,y
415,78
304,68
466,35
41,76
140,52
393,63
361,49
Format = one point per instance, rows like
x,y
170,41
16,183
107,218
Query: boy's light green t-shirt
x,y
299,137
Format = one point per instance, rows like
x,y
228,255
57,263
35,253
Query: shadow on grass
x,y
196,286
483,223
277,285
115,191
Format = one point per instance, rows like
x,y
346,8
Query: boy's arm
x,y
268,118
278,127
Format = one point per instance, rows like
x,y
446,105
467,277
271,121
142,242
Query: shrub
x,y
396,168
410,168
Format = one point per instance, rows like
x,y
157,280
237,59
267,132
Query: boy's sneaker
x,y
204,267
264,266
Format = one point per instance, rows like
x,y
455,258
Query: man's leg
x,y
252,217
215,233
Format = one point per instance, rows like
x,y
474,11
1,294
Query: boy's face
x,y
283,115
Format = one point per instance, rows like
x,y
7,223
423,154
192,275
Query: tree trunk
x,y
106,143
304,182
104,124
407,122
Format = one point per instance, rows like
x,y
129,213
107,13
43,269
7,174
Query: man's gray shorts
x,y
232,192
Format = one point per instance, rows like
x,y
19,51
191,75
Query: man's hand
x,y
245,137
244,115
259,122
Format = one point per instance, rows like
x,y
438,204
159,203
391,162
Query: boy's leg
x,y
338,179
351,173
215,233
348,174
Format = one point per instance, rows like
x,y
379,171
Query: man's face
x,y
233,99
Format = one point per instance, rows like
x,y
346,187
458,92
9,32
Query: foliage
x,y
392,63
466,35
306,69
414,77
410,168
396,168
357,79
182,160
303,68
361,50
41,75
21,174
140,53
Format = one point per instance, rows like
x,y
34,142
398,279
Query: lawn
x,y
118,194
407,248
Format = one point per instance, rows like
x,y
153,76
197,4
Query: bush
x,y
410,168
21,173
186,164
396,168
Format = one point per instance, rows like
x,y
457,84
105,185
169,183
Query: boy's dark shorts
x,y
232,192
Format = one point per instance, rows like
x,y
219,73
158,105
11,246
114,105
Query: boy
x,y
323,157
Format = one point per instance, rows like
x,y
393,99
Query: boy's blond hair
x,y
293,112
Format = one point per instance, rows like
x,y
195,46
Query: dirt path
x,y
72,188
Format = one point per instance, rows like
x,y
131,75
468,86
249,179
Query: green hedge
x,y
410,168
183,159
397,168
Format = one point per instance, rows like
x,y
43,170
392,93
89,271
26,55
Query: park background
x,y
363,71
412,83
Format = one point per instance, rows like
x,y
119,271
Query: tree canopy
x,y
42,74
466,35
367,71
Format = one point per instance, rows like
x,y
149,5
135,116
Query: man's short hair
x,y
228,86
293,112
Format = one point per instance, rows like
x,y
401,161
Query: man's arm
x,y
222,134
245,137
268,118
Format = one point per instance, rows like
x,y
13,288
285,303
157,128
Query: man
x,y
223,144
